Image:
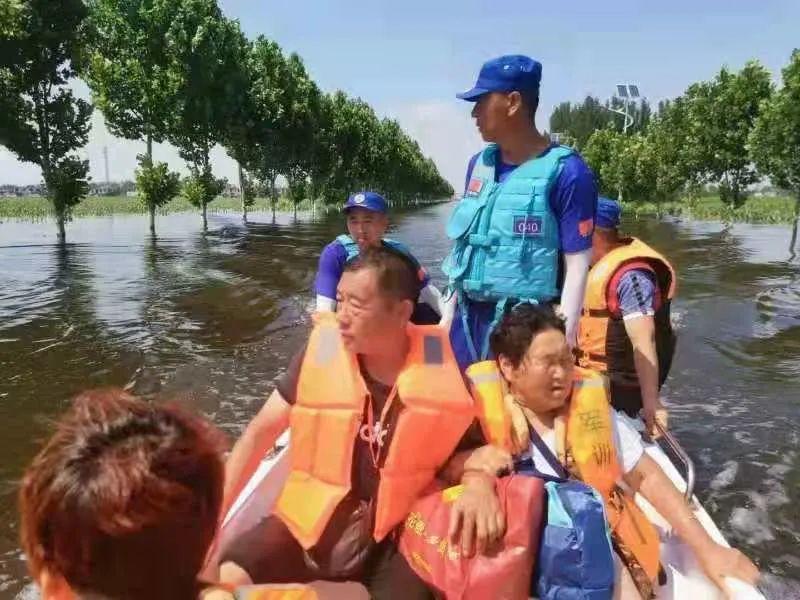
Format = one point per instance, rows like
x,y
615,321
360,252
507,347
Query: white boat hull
x,y
685,578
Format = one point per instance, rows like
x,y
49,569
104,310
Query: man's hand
x,y
655,412
476,519
490,460
719,562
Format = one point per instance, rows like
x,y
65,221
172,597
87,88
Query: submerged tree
x,y
41,121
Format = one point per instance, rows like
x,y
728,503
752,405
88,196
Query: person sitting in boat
x,y
567,409
122,503
376,406
523,230
625,329
367,221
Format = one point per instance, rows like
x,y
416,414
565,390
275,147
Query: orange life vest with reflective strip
x,y
286,591
603,343
436,410
589,440
277,591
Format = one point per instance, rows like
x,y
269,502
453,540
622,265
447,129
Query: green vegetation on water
x,y
778,209
35,208
705,208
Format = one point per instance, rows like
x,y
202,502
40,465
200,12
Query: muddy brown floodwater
x,y
212,318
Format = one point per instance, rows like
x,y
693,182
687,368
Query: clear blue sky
x,y
409,58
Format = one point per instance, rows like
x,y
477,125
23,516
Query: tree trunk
x,y
242,193
793,240
152,219
149,142
62,234
273,193
205,218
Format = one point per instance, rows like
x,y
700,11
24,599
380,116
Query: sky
x,y
408,60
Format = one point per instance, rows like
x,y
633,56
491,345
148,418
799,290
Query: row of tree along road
x,y
730,133
179,71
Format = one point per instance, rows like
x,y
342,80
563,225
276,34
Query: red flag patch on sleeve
x,y
475,186
586,227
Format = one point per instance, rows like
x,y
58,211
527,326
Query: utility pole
x,y
105,158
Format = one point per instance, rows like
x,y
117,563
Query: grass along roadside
x,y
778,209
36,208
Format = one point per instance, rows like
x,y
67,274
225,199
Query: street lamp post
x,y
628,92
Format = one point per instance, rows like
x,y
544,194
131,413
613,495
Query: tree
x,y
672,171
156,185
300,131
775,138
200,188
41,120
602,153
256,138
720,116
135,80
10,17
211,52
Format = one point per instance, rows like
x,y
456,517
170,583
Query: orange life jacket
x,y
327,416
279,591
590,444
603,343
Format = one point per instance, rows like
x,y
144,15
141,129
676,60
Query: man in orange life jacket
x,y
625,328
376,407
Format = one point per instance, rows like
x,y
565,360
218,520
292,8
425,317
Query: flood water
x,y
212,319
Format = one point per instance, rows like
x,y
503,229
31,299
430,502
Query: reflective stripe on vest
x,y
327,415
486,385
506,240
596,318
591,444
287,591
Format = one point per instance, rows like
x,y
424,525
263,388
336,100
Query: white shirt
x,y
627,442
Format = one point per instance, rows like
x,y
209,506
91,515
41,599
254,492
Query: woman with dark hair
x,y
574,430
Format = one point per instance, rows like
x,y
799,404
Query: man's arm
x,y
717,561
636,294
329,271
642,333
574,202
576,269
260,435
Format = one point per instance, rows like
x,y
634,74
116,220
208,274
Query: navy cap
x,y
511,73
608,213
368,201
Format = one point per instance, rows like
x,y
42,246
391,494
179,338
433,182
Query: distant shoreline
x,y
36,208
756,210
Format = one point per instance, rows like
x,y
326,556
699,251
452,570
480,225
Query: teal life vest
x,y
506,240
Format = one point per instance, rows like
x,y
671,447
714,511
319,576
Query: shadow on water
x,y
212,318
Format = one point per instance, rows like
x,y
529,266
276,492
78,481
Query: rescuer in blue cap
x,y
625,330
523,230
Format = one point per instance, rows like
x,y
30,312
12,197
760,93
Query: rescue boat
x,y
684,576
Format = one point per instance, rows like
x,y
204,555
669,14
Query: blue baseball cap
x,y
608,213
368,201
511,73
